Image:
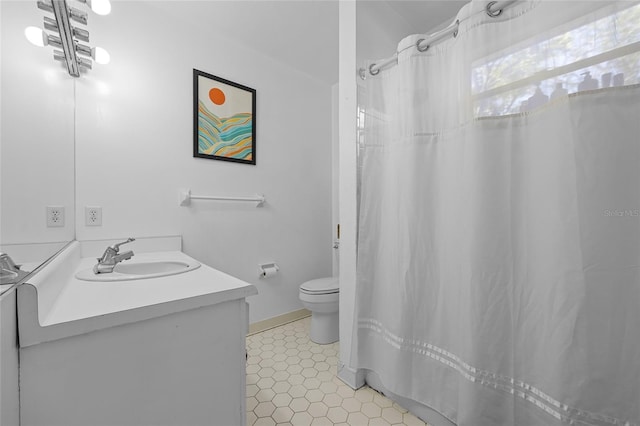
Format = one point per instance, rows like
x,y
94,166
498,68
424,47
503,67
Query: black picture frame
x,y
224,119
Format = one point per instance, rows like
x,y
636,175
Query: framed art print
x,y
224,117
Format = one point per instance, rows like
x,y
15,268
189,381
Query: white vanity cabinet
x,y
173,360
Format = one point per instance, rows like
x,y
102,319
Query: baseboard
x,y
351,376
277,321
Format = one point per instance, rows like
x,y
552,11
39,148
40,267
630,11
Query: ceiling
x,y
424,16
301,33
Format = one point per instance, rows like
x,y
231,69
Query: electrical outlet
x,y
93,216
55,216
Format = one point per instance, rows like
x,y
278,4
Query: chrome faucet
x,y
10,273
112,257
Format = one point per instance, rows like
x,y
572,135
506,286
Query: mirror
x,y
36,144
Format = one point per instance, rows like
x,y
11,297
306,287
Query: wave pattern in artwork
x,y
229,137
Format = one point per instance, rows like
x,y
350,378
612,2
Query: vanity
x,y
149,346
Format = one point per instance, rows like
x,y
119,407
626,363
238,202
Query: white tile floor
x,y
292,381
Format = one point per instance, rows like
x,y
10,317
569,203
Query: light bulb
x,y
35,36
101,7
100,55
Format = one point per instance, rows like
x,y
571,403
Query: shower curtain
x,y
499,218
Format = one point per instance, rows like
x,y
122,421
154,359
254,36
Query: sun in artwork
x,y
217,96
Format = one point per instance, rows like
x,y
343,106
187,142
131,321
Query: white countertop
x,y
54,304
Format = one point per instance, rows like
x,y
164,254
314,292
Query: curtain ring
x,y
362,73
455,33
490,13
421,49
371,71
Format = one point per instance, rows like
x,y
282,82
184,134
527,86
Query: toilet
x,y
321,296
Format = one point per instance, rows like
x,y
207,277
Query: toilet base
x,y
325,328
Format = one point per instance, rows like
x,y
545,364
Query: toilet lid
x,y
321,286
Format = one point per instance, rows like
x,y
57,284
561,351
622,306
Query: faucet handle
x,y
6,263
116,247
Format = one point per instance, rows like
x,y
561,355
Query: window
x,y
598,54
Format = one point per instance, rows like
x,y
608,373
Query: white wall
x,y
36,149
134,151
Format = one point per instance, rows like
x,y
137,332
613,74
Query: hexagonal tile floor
x,y
292,381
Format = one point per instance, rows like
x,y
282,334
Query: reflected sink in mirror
x,y
128,271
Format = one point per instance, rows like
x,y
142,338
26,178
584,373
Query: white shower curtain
x,y
499,229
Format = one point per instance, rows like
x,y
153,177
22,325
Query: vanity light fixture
x,y
36,36
100,7
100,55
69,37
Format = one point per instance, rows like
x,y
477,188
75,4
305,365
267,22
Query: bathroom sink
x,y
128,271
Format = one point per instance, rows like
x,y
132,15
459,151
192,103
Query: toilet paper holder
x,y
266,270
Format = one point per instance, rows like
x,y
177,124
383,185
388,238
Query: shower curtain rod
x,y
493,9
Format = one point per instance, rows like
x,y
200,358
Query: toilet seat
x,y
320,286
